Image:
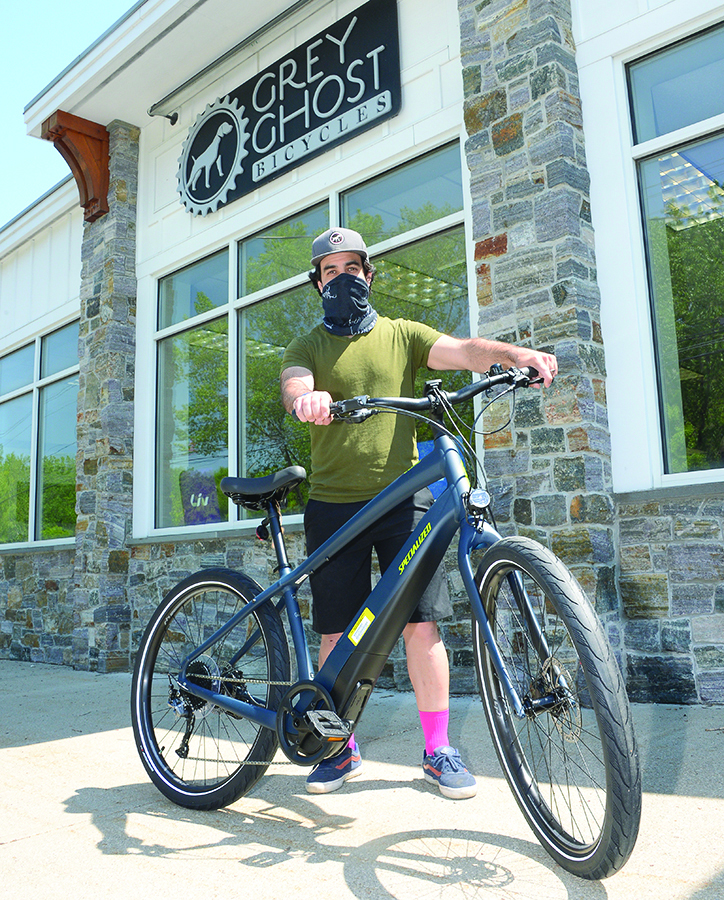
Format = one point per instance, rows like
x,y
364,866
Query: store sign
x,y
341,82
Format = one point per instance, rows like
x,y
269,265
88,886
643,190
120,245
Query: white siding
x,y
40,267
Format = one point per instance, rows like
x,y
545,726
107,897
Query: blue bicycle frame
x,y
352,668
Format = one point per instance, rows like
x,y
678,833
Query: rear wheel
x,y
198,755
571,761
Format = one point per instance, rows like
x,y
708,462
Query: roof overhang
x,y
155,56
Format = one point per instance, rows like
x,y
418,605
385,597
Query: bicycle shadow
x,y
262,832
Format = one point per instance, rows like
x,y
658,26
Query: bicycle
x,y
213,696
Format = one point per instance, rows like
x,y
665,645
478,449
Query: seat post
x,y
277,535
289,594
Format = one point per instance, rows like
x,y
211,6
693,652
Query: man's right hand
x,y
313,407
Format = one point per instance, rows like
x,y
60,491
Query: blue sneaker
x,y
331,774
445,769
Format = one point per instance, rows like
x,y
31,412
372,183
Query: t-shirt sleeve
x,y
422,339
298,354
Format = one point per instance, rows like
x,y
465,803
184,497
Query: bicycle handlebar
x,y
357,409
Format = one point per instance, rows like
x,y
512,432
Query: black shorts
x,y
340,586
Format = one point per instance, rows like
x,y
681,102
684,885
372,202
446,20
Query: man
x,y
354,351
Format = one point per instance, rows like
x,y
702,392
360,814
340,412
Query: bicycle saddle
x,y
256,493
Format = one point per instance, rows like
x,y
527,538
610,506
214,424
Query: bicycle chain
x,y
228,680
245,762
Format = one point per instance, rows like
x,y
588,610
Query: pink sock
x,y
352,743
434,727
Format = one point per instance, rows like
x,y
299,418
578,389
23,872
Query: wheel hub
x,y
204,673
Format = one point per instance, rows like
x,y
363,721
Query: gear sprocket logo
x,y
212,157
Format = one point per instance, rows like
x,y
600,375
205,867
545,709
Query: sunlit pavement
x,y
78,814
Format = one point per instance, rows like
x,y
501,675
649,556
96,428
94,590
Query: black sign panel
x,y
341,82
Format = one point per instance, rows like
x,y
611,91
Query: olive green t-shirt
x,y
355,462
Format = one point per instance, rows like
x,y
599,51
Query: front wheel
x,y
197,754
571,761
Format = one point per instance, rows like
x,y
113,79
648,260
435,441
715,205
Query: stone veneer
x,y
536,279
654,567
672,588
104,462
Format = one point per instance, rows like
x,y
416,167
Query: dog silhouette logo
x,y
212,157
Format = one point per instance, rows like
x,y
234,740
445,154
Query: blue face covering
x,y
347,310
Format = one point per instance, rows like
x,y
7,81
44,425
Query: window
x,y
192,419
217,380
38,413
682,199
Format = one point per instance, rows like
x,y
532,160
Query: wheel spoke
x,y
558,759
196,753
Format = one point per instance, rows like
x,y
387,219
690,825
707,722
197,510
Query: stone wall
x,y
104,462
36,605
672,586
536,279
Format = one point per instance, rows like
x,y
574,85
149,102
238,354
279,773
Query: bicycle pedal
x,y
327,726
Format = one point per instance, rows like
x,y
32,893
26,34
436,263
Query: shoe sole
x,y
327,787
461,793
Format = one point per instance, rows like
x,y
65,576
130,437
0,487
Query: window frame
x,y
35,387
641,152
635,425
144,510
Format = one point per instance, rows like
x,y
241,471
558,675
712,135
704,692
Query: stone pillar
x,y
536,278
107,348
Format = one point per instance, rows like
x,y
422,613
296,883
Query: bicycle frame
x,y
352,668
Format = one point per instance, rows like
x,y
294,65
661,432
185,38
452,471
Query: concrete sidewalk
x,y
78,817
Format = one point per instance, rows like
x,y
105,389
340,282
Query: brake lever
x,y
355,418
352,411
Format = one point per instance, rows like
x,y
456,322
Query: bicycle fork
x,y
523,707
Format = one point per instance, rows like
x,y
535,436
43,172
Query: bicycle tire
x,y
573,768
224,756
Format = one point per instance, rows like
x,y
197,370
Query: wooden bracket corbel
x,y
84,146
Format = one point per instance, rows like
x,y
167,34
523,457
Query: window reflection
x,y
16,369
15,437
56,460
678,86
194,290
193,426
684,228
415,194
59,350
280,251
270,439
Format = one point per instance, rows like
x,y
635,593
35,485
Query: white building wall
x,y
431,113
40,267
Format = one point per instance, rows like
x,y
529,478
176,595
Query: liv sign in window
x,y
682,199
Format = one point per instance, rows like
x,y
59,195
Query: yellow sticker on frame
x,y
360,627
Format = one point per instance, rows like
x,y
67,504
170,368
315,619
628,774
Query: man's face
x,y
336,263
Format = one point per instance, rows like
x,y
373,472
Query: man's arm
x,y
479,354
299,396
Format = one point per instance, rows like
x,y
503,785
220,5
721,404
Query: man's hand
x,y
300,398
545,363
313,407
